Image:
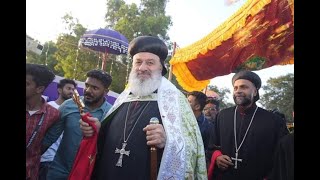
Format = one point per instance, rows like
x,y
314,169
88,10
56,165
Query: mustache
x,y
87,94
143,72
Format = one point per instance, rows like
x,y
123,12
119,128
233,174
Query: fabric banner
x,y
86,155
259,35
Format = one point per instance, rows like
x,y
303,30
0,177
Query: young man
x,y
39,115
246,135
197,102
96,86
211,109
126,135
65,89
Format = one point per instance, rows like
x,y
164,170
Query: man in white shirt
x,y
65,89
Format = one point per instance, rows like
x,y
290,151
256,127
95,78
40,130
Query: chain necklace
x,y
122,151
235,136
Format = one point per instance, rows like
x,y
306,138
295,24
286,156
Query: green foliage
x,y
119,75
46,57
279,94
133,21
223,93
70,61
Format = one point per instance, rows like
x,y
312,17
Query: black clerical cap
x,y
250,76
152,45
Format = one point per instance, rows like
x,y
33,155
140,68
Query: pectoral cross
x,y
122,152
236,160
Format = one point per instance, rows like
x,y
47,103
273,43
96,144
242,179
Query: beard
x,y
144,87
243,100
66,96
90,99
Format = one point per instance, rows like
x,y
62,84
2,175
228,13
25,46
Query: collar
x,y
102,107
151,97
43,108
247,111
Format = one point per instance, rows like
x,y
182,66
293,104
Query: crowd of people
x,y
153,127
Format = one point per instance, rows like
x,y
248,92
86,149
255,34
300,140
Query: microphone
x,y
153,155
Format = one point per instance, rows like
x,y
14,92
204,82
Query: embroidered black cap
x,y
250,76
150,44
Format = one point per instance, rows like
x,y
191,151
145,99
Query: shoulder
x,y
106,106
68,106
275,122
53,104
229,110
267,114
52,113
68,103
51,109
225,115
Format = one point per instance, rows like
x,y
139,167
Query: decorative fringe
x,y
222,33
189,84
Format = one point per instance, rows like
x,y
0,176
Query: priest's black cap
x,y
250,76
152,45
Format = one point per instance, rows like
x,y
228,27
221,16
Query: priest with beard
x,y
126,135
245,136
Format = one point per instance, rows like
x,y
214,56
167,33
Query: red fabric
x,y
213,160
266,39
85,158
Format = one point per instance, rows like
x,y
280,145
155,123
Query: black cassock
x,y
283,168
137,164
258,147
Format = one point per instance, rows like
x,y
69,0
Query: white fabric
x,y
54,104
183,156
51,151
32,112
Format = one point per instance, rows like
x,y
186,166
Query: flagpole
x,y
173,52
104,60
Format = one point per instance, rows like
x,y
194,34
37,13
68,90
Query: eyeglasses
x,y
209,109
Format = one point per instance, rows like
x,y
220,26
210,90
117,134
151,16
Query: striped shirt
x,y
33,152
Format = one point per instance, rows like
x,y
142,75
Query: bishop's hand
x,y
155,135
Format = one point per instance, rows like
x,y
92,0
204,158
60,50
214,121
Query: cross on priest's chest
x,y
236,160
122,152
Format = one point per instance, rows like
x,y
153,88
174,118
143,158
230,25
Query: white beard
x,y
145,87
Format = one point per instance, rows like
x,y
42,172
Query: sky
x,y
192,20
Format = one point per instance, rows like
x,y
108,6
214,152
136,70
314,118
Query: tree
x,y
279,94
133,21
46,57
72,62
223,93
130,20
